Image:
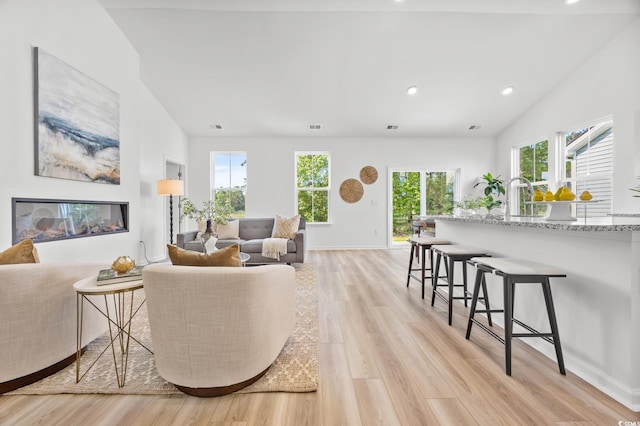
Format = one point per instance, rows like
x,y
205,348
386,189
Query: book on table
x,y
109,276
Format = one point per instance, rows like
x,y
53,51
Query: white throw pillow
x,y
228,231
285,227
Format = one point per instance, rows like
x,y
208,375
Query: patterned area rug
x,y
295,369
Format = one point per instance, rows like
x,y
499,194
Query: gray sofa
x,y
252,232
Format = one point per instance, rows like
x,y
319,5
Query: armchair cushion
x,y
228,256
23,252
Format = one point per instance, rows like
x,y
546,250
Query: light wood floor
x,y
386,357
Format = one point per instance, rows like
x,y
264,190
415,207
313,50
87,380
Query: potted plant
x,y
493,189
210,212
468,205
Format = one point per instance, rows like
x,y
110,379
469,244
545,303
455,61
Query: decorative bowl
x,y
123,264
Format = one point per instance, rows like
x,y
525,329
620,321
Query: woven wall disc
x,y
351,190
368,175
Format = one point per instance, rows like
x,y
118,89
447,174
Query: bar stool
x,y
517,271
452,254
419,247
420,226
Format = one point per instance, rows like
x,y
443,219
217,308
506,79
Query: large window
x,y
419,193
533,164
588,164
312,186
229,171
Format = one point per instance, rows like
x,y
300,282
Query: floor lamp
x,y
170,187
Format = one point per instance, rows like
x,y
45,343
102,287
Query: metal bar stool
x,y
517,271
451,255
419,247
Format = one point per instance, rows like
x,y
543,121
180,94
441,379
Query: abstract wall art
x,y
77,123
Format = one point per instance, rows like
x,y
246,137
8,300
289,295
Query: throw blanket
x,y
274,247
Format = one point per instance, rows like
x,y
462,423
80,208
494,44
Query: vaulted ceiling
x,y
272,68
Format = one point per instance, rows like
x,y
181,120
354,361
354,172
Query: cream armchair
x,y
218,329
38,320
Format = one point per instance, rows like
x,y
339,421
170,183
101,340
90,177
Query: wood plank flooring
x,y
386,358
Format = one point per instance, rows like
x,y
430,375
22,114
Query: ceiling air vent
x,y
392,127
314,127
474,127
216,126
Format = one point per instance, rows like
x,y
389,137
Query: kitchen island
x,y
597,305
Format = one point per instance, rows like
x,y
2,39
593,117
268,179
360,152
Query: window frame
x,y
326,189
573,182
212,176
516,187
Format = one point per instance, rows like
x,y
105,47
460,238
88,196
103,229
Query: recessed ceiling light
x,y
412,90
507,90
572,1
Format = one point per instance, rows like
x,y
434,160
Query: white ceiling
x,y
270,68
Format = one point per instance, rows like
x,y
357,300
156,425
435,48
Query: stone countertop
x,y
598,224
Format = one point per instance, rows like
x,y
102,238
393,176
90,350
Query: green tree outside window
x,y
312,181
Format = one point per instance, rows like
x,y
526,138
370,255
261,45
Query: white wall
x,y
607,84
160,139
82,34
271,177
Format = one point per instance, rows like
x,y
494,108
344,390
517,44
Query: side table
x,y
119,319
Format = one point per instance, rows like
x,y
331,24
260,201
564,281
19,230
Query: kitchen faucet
x,y
507,211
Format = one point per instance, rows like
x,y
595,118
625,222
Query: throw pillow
x,y
23,252
229,231
285,227
228,256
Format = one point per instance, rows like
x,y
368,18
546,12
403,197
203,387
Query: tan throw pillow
x,y
285,227
23,252
228,256
228,231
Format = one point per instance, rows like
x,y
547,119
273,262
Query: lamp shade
x,y
170,187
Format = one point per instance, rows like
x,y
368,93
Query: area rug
x,y
295,370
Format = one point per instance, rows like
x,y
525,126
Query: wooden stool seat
x,y
515,271
419,247
451,254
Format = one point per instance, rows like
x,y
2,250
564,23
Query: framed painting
x,y
77,124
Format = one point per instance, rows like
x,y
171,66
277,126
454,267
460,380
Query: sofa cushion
x,y
23,252
255,246
226,243
228,231
228,256
195,245
256,228
285,227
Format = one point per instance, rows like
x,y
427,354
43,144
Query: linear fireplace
x,y
50,220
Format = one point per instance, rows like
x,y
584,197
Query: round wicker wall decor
x,y
351,190
368,175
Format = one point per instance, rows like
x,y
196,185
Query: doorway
x,y
419,193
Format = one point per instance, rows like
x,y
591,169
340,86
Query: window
x,y
588,163
532,163
312,186
419,193
229,171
